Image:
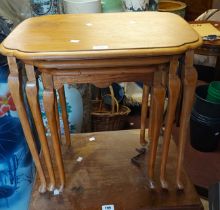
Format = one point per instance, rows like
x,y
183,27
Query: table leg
x,y
190,79
49,105
15,82
32,95
144,113
158,79
174,89
61,93
150,115
158,98
57,116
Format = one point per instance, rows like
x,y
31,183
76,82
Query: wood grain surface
x,y
95,35
107,176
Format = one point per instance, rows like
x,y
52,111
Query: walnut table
x,y
101,49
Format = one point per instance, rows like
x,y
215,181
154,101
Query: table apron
x,y
208,51
100,63
101,71
102,80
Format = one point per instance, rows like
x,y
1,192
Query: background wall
x,y
216,4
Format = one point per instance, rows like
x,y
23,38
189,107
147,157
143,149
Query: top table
x,y
100,35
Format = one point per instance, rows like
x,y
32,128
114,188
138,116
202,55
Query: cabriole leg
x,y
189,85
173,90
32,95
15,85
61,93
158,97
49,105
144,113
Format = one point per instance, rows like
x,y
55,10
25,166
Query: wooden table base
x,y
107,176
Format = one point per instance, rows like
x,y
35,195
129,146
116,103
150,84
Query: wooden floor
x,y
107,176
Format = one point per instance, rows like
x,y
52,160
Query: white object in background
x,y
45,7
135,5
92,139
108,207
82,6
56,192
74,106
134,91
79,159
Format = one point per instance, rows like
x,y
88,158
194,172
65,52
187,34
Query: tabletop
x,y
216,24
95,35
210,48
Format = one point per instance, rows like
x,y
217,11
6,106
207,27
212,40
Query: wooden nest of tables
x,y
101,49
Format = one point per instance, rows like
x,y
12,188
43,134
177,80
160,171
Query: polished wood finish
x,y
116,54
189,82
157,80
49,99
64,115
32,95
15,86
150,115
158,97
144,109
173,91
103,63
57,115
104,77
107,176
67,36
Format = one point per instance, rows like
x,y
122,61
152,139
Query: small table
x,y
211,48
101,49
